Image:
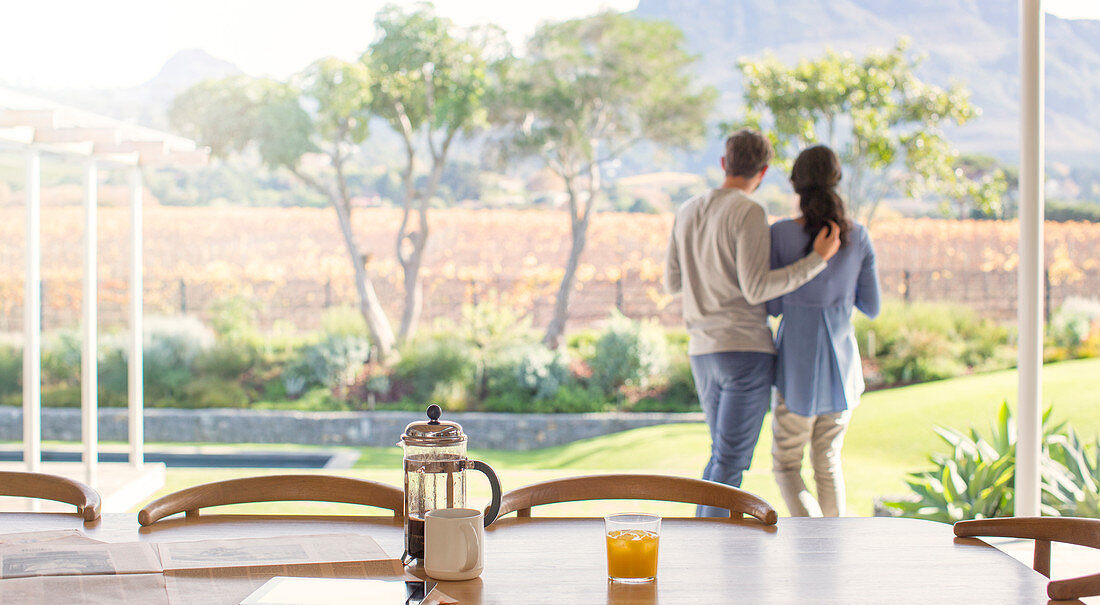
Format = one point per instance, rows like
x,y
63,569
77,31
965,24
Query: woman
x,y
818,373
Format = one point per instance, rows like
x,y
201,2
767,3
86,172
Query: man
x,y
719,258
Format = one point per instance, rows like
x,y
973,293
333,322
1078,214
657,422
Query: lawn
x,y
891,434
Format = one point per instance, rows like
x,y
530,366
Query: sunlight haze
x,y
72,43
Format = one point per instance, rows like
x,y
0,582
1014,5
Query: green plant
x,y
531,372
343,321
211,391
1074,470
919,342
227,360
331,363
11,371
677,394
976,479
234,318
171,345
438,370
1072,323
628,353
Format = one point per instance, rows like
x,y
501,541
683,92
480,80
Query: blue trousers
x,y
735,393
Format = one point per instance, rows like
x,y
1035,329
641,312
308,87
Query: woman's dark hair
x,y
815,175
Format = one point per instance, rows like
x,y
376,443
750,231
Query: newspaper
x,y
62,558
55,536
233,584
208,571
146,588
288,550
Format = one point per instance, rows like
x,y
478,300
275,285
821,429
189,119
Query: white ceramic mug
x,y
454,543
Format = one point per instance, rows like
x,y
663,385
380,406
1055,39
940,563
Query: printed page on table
x,y
277,551
68,536
144,588
232,584
61,558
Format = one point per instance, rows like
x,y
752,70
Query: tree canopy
x,y
885,123
589,90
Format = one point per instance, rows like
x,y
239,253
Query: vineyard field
x,y
294,263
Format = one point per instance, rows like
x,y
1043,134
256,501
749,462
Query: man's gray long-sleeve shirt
x,y
719,257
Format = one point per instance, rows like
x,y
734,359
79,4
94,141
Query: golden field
x,y
293,261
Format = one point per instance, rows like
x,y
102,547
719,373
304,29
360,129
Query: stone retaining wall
x,y
486,431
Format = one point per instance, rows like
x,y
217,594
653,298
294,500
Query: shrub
x,y
1072,323
343,321
532,372
171,345
330,363
437,371
678,394
11,371
917,342
628,353
975,480
228,361
570,399
209,391
61,359
234,318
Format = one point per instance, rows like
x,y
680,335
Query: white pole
x,y
89,392
1030,276
32,318
136,386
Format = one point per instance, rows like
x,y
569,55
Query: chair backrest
x,y
637,487
275,488
52,487
1044,530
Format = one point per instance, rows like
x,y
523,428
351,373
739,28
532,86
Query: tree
x,y
429,86
589,90
976,190
874,112
236,113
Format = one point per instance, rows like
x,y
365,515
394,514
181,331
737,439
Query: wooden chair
x,y
52,487
637,487
1044,530
275,488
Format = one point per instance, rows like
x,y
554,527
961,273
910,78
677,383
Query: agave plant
x,y
1072,483
976,479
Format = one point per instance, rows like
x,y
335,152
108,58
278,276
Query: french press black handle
x,y
494,484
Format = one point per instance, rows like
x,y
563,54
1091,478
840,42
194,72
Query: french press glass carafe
x,y
435,475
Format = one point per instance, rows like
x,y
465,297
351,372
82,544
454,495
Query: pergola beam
x,y
71,135
35,118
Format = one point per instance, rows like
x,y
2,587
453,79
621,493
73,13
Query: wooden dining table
x,y
563,560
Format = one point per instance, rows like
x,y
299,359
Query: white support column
x,y
1030,269
32,318
136,386
89,368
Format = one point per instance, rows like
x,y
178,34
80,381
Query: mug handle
x,y
473,547
494,485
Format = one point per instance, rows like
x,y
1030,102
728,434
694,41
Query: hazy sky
x,y
110,43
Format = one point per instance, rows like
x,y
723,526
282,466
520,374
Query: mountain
x,y
147,103
975,42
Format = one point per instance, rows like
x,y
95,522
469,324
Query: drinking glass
x,y
632,546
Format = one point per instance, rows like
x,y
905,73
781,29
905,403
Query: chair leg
x,y
1042,557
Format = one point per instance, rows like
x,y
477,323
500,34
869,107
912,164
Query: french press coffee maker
x,y
435,475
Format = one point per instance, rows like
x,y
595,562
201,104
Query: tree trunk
x,y
369,306
579,222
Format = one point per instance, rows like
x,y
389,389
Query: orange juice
x,y
632,554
